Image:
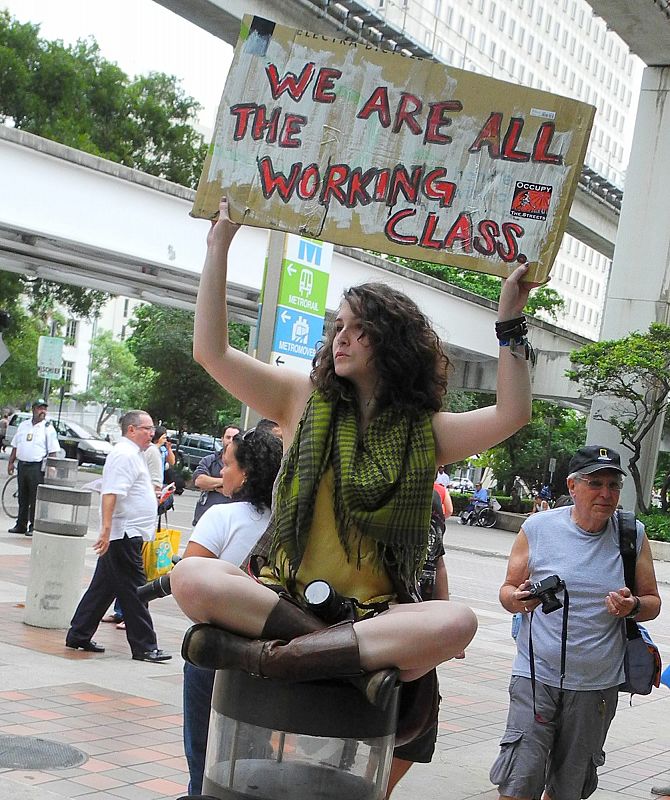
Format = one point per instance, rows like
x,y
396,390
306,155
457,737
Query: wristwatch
x,y
635,611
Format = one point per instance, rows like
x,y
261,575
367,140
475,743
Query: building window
x,y
126,307
71,332
68,366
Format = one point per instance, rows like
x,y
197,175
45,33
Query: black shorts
x,y
421,749
419,707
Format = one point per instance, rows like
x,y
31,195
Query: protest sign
x,y
350,144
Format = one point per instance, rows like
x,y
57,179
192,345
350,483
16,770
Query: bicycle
x,y
10,497
482,515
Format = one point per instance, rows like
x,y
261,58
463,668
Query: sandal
x,y
121,626
112,618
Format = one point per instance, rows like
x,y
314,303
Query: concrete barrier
x,y
509,522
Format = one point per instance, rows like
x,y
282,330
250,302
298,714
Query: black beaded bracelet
x,y
512,333
515,329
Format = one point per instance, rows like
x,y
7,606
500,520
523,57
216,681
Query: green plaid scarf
x,y
383,484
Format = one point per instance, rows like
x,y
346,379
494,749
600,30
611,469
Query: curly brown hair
x,y
407,353
259,454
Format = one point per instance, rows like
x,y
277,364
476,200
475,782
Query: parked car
x,y
76,440
461,485
82,443
195,446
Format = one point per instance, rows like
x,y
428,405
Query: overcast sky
x,y
140,36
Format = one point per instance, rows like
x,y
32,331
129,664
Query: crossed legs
x,y
412,638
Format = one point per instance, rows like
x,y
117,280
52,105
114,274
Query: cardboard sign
x,y
351,144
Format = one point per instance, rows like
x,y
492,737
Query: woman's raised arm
x,y
460,435
278,394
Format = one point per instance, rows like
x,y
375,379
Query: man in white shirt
x,y
34,440
442,477
128,518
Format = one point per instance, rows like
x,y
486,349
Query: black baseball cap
x,y
594,457
40,402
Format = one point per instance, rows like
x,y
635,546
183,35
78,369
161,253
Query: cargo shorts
x,y
560,755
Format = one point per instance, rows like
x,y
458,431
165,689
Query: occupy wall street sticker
x,y
531,200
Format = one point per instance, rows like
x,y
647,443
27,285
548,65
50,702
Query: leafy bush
x,y
657,525
460,501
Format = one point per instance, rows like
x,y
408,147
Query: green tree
x,y
116,382
18,375
542,299
633,373
181,392
75,96
553,432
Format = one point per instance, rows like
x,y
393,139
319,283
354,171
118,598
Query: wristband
x,y
635,611
512,333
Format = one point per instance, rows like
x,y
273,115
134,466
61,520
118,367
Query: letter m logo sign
x,y
310,252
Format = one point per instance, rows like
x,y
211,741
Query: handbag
x,y
642,661
158,553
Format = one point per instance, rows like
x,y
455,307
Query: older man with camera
x,y
565,576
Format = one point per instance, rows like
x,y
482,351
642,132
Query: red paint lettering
x,y
242,113
402,182
325,82
489,231
382,184
337,175
511,231
272,181
489,136
543,139
408,107
509,153
309,182
378,103
428,231
436,189
460,231
290,129
262,124
392,222
437,120
290,82
358,187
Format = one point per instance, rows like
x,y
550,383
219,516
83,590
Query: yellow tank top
x,y
325,558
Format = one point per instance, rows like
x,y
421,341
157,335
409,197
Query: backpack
x,y
642,661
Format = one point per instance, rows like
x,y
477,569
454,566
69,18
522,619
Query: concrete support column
x,y
56,579
639,287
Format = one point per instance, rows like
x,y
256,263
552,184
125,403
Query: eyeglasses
x,y
249,434
596,484
146,427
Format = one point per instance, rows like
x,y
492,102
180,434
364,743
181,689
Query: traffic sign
x,y
50,352
301,302
51,373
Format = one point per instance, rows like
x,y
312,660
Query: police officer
x,y
34,440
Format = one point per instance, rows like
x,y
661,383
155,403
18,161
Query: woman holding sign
x,y
362,436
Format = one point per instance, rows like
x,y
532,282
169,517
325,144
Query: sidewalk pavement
x,y
126,715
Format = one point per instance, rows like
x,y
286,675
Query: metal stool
x,y
272,740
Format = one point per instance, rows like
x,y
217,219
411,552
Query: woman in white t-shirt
x,y
228,532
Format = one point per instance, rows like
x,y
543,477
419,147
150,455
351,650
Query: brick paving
x,y
126,716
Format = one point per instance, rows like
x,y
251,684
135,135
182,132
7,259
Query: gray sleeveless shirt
x,y
591,566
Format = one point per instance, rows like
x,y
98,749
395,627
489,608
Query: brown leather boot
x,y
326,653
288,620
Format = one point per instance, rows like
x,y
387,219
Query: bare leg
x,y
208,590
412,638
415,637
399,768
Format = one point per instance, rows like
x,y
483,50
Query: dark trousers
x,y
118,573
198,685
29,477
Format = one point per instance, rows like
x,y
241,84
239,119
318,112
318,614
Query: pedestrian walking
x,y
128,518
